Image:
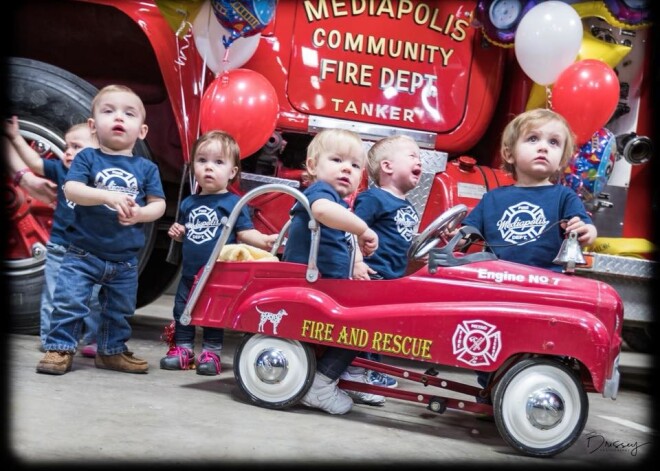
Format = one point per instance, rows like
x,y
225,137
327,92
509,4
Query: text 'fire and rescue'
x,y
378,341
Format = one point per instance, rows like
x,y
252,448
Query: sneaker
x,y
360,375
55,363
381,379
208,364
89,350
325,395
124,362
178,358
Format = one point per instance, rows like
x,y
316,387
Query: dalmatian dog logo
x,y
476,343
273,317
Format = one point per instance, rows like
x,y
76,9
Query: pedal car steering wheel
x,y
437,231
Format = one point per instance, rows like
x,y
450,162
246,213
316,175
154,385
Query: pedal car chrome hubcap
x,y
271,365
545,408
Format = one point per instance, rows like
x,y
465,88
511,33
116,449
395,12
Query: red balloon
x,y
244,104
586,94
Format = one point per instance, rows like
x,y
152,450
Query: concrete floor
x,y
179,418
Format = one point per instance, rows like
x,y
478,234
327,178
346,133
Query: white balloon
x,y
208,33
548,40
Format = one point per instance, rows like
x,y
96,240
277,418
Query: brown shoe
x,y
124,362
55,363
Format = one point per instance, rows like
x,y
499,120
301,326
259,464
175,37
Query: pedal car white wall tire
x,y
274,373
540,407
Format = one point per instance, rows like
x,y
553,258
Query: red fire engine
x,y
443,72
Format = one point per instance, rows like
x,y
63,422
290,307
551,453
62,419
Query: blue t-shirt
x,y
96,228
55,171
201,215
333,256
514,221
394,220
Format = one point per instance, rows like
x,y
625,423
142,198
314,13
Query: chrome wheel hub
x,y
271,366
545,408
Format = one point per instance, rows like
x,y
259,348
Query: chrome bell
x,y
570,253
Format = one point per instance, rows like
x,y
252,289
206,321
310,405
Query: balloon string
x,y
183,22
181,62
548,97
181,59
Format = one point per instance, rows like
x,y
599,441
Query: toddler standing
x,y
115,193
215,163
78,137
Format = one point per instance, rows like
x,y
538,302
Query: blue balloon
x,y
590,167
243,18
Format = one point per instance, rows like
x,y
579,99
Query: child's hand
x,y
133,218
368,242
449,234
361,271
587,233
122,203
40,188
270,239
177,231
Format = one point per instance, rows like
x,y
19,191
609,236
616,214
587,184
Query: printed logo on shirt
x,y
202,225
119,180
406,220
522,223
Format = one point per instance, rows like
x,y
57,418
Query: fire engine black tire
x,y
24,285
638,338
272,372
521,419
51,99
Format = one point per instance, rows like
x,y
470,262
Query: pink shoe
x,y
208,364
178,358
89,350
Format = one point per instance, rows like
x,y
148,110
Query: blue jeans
x,y
79,272
54,255
184,335
371,356
334,361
